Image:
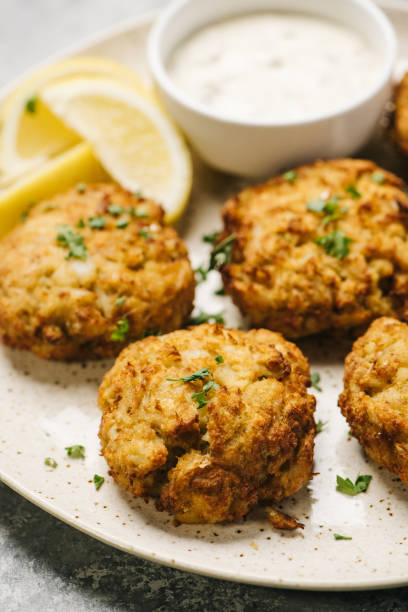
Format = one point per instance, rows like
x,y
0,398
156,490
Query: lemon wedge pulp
x,y
130,135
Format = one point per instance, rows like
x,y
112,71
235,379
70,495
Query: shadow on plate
x,y
56,372
298,505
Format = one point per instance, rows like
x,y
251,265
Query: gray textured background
x,y
46,566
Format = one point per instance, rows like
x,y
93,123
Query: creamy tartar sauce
x,y
274,66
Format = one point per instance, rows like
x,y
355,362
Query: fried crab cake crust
x,y
400,131
253,439
283,280
63,307
375,396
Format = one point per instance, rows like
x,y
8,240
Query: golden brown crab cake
x,y
89,271
400,131
375,396
321,247
232,427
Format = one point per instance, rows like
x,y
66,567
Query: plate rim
x,y
143,19
191,567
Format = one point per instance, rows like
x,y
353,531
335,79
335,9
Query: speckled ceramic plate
x,y
47,406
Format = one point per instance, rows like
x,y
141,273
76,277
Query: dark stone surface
x,y
48,566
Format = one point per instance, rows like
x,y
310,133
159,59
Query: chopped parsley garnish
x,y
337,536
331,202
353,191
77,451
210,238
31,105
120,301
81,223
290,176
314,381
330,208
115,210
97,222
25,212
344,485
199,375
122,224
219,359
205,317
319,426
121,330
145,234
336,214
201,274
81,187
73,241
138,194
220,291
378,177
221,254
200,397
138,213
98,481
336,244
50,462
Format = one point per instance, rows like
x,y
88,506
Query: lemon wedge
x,y
76,165
30,133
29,139
133,139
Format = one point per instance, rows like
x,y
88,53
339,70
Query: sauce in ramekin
x,y
275,66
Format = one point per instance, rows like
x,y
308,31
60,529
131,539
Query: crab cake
x,y
375,396
401,114
320,247
90,271
209,421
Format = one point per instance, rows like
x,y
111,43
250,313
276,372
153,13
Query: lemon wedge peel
x,y
75,165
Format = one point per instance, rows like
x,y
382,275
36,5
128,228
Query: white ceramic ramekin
x,y
256,148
